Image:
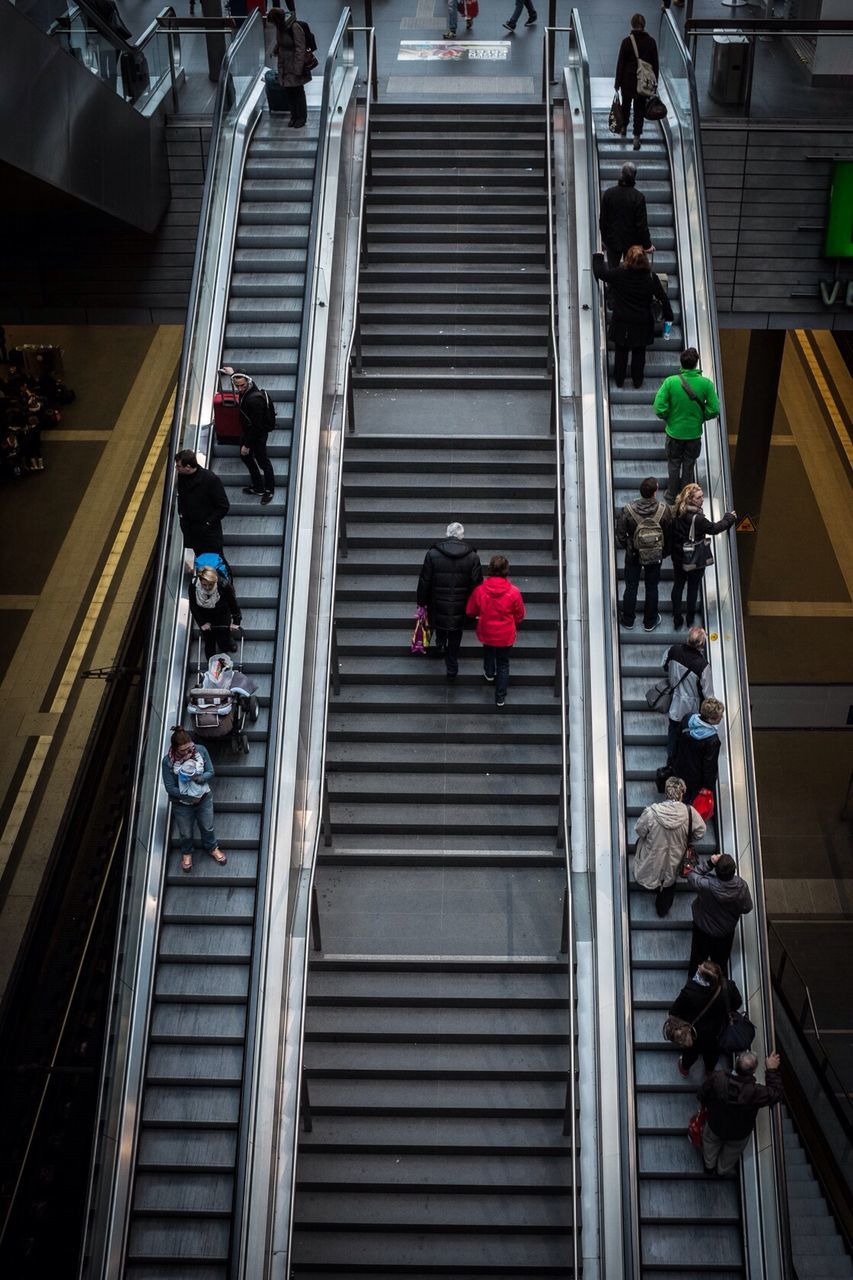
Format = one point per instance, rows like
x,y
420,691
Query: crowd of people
x,y
32,396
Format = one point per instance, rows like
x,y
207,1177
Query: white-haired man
x,y
733,1099
451,570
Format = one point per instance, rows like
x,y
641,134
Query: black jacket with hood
x,y
696,760
254,423
451,570
623,220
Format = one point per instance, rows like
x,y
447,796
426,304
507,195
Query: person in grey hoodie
x,y
697,750
664,832
642,530
690,680
722,897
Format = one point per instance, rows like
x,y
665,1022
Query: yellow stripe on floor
x,y
800,608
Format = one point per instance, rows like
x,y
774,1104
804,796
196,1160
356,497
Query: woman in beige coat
x,y
290,53
664,831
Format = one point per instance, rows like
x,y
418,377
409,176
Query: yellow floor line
x,y
807,347
84,636
801,608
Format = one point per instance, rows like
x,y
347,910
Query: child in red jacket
x,y
498,607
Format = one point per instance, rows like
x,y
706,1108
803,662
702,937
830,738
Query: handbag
x,y
469,9
311,61
681,1033
696,1126
704,804
616,119
697,553
660,695
655,109
422,634
739,1033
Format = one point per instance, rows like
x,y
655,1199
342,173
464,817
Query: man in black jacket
x,y
451,570
257,415
623,220
202,503
733,1099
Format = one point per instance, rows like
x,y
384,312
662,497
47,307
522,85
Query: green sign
x,y
839,224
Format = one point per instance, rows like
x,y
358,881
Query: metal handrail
x,y
629,1162
839,1089
343,398
736,646
162,553
564,823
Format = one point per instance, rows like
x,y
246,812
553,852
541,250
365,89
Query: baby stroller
x,y
223,700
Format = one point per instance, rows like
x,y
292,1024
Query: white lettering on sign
x,y
830,292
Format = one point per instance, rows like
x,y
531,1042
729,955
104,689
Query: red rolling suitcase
x,y
226,417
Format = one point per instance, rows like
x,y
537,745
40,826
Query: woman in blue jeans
x,y
187,770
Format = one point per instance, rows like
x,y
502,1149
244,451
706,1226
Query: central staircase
x,y
437,1040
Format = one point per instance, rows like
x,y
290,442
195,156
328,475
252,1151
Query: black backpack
x,y
310,38
269,408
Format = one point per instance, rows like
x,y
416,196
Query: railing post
x,y
325,818
567,1111
170,45
335,660
343,544
350,406
555,541
546,54
564,935
374,79
316,936
553,410
305,1104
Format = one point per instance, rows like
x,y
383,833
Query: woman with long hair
x,y
187,770
690,524
633,287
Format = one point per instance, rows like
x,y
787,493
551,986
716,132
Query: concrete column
x,y
215,40
758,409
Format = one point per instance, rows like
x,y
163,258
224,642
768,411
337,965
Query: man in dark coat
x,y
256,418
722,897
623,220
202,503
451,570
733,1099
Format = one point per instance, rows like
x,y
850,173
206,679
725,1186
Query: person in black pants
x,y
202,503
626,73
632,328
257,415
450,571
722,897
623,219
645,522
690,523
705,1002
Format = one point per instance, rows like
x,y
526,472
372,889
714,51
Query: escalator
x,y
183,1188
674,1219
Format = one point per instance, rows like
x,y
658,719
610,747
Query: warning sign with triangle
x,y
745,525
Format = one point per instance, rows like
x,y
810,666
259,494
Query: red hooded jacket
x,y
497,605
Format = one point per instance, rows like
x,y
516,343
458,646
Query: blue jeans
x,y
496,663
452,15
186,817
516,13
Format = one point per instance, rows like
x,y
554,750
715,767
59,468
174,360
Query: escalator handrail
x,y
629,1165
189,435
734,628
557,428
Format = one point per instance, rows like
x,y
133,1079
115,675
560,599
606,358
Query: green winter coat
x,y
683,417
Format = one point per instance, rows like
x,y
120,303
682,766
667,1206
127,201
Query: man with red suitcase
x,y
257,419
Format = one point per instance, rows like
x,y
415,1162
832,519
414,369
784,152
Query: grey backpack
x,y
648,539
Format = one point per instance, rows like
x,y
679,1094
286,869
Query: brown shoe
x,y
218,856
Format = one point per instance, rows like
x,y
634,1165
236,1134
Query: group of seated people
x,y
32,394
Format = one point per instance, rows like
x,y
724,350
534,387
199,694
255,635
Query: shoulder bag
x,y
681,1033
647,81
696,553
738,1033
660,695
